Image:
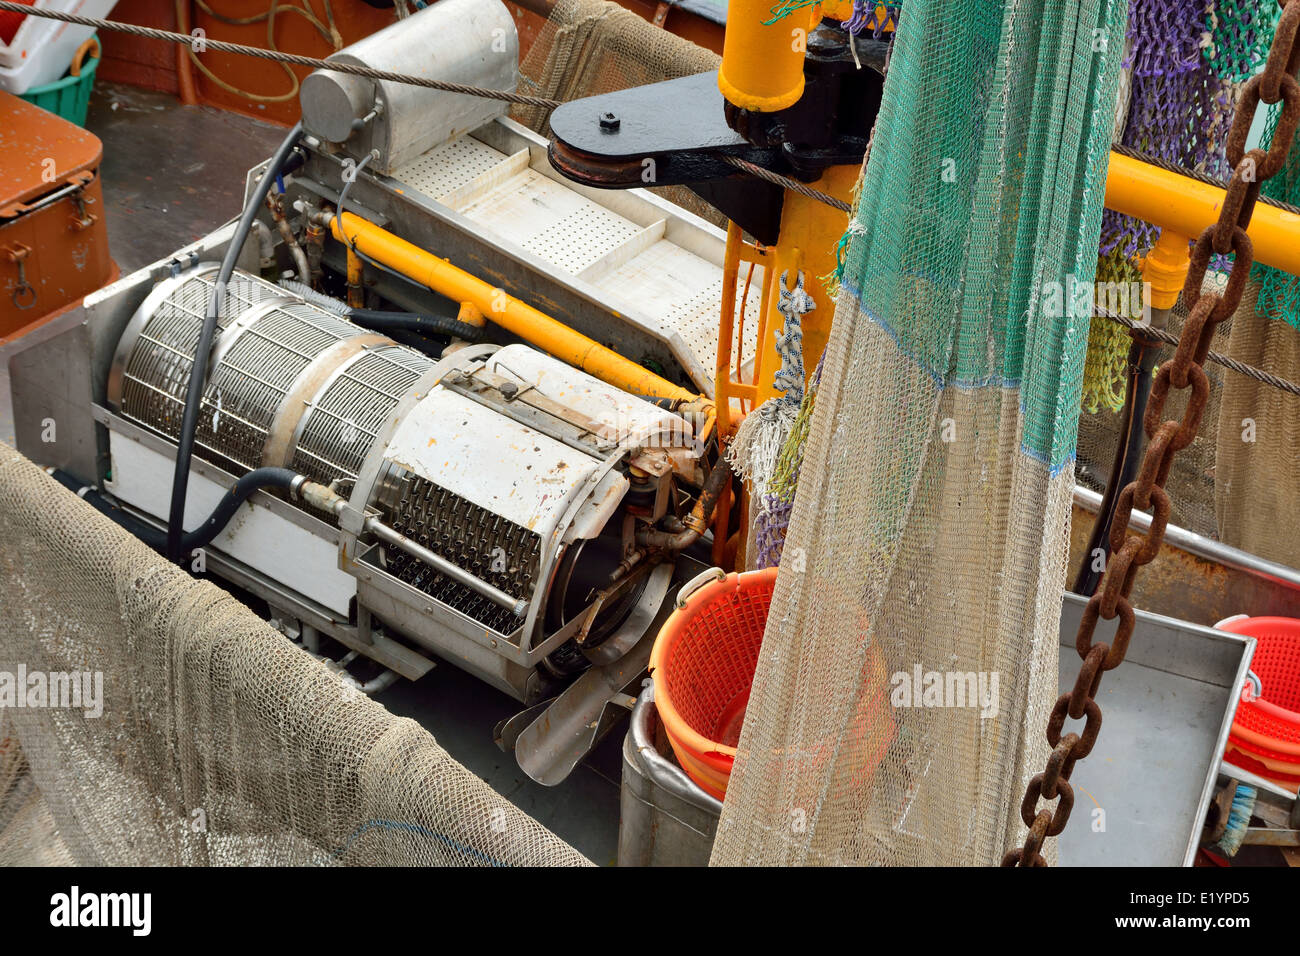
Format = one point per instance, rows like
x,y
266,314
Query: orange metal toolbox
x,y
53,243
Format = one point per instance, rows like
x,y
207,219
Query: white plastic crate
x,y
42,49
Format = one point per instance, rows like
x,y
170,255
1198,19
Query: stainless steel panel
x,y
1166,712
463,41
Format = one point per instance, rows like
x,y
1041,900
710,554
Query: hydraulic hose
x,y
698,520
1128,458
254,480
198,372
201,536
377,320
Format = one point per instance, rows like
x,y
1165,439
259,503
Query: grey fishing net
x,y
176,727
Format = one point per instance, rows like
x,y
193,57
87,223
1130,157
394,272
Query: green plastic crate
x,y
70,96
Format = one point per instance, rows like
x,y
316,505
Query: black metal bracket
x,y
672,133
667,134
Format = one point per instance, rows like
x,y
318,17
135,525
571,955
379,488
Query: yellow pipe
x,y
356,275
1186,206
762,66
505,310
1165,268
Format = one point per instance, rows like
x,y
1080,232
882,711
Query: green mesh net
x,y
930,522
1238,36
1279,293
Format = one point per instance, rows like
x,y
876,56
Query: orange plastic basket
x,y
1260,766
703,665
1271,721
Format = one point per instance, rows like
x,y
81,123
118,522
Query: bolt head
x,y
609,122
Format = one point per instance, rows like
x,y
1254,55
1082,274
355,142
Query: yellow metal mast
x,y
762,71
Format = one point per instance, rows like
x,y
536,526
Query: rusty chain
x,y
1277,83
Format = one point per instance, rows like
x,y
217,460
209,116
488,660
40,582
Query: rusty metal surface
x,y
51,255
40,152
1194,588
53,244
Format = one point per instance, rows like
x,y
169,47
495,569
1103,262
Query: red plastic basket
x,y
1284,763
1271,722
703,665
1249,761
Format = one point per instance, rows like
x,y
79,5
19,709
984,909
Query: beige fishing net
x,y
1242,472
211,739
848,772
28,834
589,47
1192,481
1257,464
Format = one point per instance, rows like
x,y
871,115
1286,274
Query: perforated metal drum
x,y
289,383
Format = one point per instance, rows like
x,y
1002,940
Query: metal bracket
x,y
24,295
667,134
675,132
560,736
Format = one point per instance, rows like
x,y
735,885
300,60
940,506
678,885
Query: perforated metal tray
x,y
656,265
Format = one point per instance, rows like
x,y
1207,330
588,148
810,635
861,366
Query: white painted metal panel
x,y
256,536
623,418
497,463
684,292
553,222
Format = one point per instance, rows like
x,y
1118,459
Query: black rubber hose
x,y
425,324
201,536
254,480
198,372
1128,458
